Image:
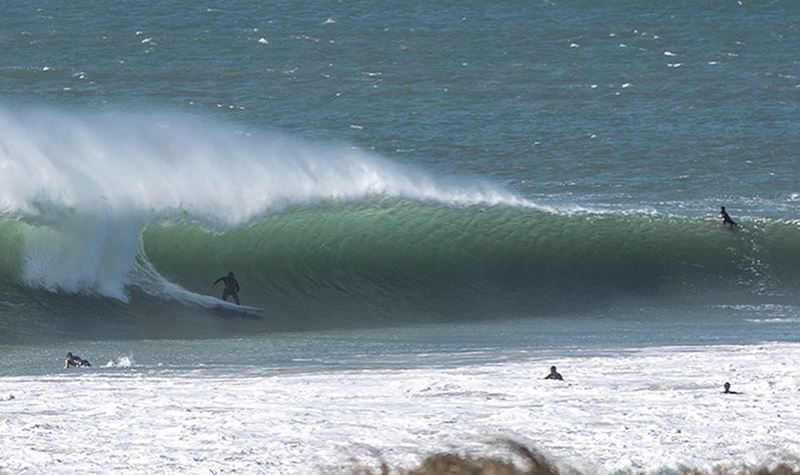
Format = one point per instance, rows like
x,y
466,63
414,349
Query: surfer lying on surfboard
x,y
76,361
231,287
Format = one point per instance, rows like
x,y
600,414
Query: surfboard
x,y
247,310
240,309
735,229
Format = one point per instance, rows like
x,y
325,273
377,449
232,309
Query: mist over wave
x,y
79,187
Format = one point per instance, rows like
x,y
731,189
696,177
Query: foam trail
x,y
85,185
145,277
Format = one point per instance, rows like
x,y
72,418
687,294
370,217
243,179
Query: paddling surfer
x,y
231,287
76,361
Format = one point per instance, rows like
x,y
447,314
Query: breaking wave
x,y
135,214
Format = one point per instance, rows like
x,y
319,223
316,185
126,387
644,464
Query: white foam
x,y
121,362
146,278
632,411
774,320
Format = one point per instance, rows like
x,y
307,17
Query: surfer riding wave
x,y
231,287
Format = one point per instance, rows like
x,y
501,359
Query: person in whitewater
x,y
727,387
554,374
726,219
231,287
76,361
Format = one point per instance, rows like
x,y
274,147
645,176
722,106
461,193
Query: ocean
x,y
433,203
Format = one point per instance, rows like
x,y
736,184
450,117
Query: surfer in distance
x,y
554,374
231,287
76,361
727,390
726,219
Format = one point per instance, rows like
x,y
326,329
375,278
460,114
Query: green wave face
x,y
384,257
388,261
11,242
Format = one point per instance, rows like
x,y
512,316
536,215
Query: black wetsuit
x,y
77,361
727,390
231,287
726,219
554,375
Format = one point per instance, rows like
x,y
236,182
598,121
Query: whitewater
x,y
651,410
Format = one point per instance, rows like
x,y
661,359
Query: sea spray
x,y
84,185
